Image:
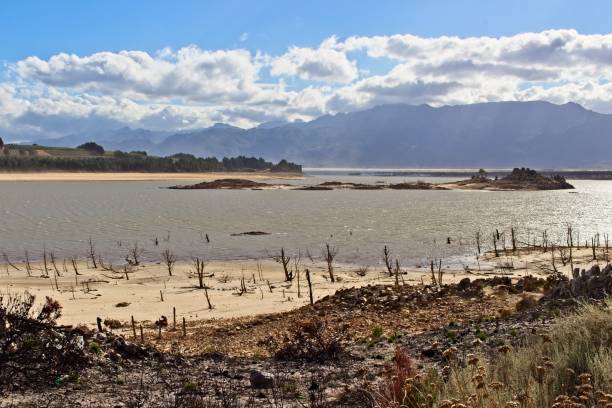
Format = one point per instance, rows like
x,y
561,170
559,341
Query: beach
x,y
238,288
107,176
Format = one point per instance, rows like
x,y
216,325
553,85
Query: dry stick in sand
x,y
141,334
92,253
433,276
259,271
56,285
329,254
161,295
8,262
210,306
173,318
184,328
169,259
74,266
387,260
309,286
299,293
134,328
53,263
199,266
495,238
397,272
45,261
134,254
269,286
297,259
478,241
27,263
440,273
284,260
513,239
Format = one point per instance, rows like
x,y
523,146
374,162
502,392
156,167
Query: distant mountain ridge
x,y
495,134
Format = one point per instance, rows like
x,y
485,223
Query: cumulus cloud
x,y
192,87
189,73
322,64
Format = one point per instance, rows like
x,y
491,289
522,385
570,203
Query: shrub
x,y
401,386
112,324
32,348
310,340
94,347
527,302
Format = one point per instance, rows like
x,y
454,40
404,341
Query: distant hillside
x,y
501,134
92,157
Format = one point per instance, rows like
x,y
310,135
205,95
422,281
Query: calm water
x,y
61,216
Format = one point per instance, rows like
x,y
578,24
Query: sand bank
x,y
86,176
97,292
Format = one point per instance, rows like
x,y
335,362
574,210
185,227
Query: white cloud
x,y
189,73
322,64
191,87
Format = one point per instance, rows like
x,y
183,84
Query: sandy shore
x,y
97,292
85,176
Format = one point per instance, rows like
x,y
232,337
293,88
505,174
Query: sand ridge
x,y
87,176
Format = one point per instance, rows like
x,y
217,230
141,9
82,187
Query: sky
x,y
86,66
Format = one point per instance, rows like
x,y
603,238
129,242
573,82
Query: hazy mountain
x,y
124,138
503,134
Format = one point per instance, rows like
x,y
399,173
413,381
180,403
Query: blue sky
x,y
76,66
44,28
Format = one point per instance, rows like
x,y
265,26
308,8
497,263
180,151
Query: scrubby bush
x,y
32,348
310,340
402,386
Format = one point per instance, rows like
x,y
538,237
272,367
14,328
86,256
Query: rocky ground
x,y
321,355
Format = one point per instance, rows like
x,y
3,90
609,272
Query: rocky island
x,y
520,179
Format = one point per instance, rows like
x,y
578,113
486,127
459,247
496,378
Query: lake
x,y
62,216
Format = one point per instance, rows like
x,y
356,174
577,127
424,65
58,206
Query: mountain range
x,y
495,134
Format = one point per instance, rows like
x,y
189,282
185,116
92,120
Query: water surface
x,y
62,216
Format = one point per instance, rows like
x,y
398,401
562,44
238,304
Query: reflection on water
x,y
61,216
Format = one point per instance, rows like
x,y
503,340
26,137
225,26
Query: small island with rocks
x,y
520,179
524,179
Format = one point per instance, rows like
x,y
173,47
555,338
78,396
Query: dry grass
x,y
571,364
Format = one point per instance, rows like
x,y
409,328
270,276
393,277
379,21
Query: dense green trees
x,y
137,162
92,147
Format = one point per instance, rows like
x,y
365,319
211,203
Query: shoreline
x,y
136,176
237,289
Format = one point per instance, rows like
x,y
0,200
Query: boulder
x,y
261,380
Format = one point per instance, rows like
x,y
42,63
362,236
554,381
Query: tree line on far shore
x,y
118,161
